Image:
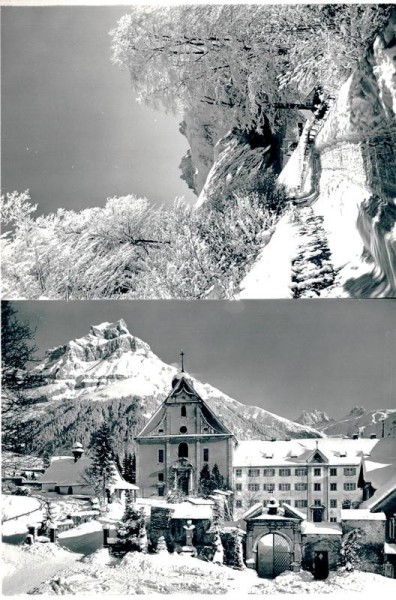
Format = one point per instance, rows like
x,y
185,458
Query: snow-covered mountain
x,y
357,421
112,367
314,418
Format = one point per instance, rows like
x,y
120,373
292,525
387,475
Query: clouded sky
x,y
71,130
282,355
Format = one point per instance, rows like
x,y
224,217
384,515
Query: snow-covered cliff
x,y
110,364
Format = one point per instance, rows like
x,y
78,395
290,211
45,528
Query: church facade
x,y
179,439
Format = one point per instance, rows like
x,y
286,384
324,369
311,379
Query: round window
x,y
183,429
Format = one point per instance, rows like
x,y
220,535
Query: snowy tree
x,y
131,530
102,472
246,60
351,549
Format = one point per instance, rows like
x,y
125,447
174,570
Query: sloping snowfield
x,y
165,574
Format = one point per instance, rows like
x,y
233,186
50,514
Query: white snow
x,y
361,514
310,528
83,529
25,567
174,574
270,276
18,512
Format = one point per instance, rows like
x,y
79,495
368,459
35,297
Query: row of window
x,y
183,453
299,472
300,487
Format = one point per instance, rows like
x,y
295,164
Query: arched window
x,y
183,450
183,411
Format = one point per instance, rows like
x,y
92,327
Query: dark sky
x,y
71,130
282,355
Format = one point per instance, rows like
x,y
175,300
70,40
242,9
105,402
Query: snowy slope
x,y
110,364
357,421
349,187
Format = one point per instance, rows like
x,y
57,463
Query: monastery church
x,y
178,440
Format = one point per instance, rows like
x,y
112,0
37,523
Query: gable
x,y
172,419
317,457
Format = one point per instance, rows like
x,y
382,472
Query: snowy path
x,y
25,568
270,276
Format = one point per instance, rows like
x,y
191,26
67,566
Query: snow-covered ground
x,y
169,574
26,567
18,512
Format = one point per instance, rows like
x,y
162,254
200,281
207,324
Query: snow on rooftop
x,y
361,514
389,548
310,528
253,453
187,510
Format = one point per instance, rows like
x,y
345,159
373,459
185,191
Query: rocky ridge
x,y
110,367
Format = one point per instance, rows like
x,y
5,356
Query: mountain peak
x,y
110,330
357,411
313,417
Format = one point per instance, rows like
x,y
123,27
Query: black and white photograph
x,y
199,447
198,298
198,151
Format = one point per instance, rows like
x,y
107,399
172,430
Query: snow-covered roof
x,y
389,548
381,494
187,510
361,514
263,453
65,471
201,501
310,528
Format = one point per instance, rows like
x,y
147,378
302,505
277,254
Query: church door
x,y
184,479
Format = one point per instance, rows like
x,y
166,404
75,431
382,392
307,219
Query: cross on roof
x,y
182,361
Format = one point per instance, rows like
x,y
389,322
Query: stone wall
x,y
324,543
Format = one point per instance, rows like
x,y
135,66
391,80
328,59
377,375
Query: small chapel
x,y
178,440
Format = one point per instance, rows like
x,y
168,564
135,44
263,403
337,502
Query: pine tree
x,y
217,480
205,484
17,351
102,472
129,467
131,530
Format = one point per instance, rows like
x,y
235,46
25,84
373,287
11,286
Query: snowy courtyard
x,y
63,572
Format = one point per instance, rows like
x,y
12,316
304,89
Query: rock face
x,y
313,418
110,365
203,127
240,158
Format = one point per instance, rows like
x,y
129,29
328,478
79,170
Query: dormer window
x,y
183,411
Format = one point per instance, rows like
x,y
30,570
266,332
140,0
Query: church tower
x,y
178,440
